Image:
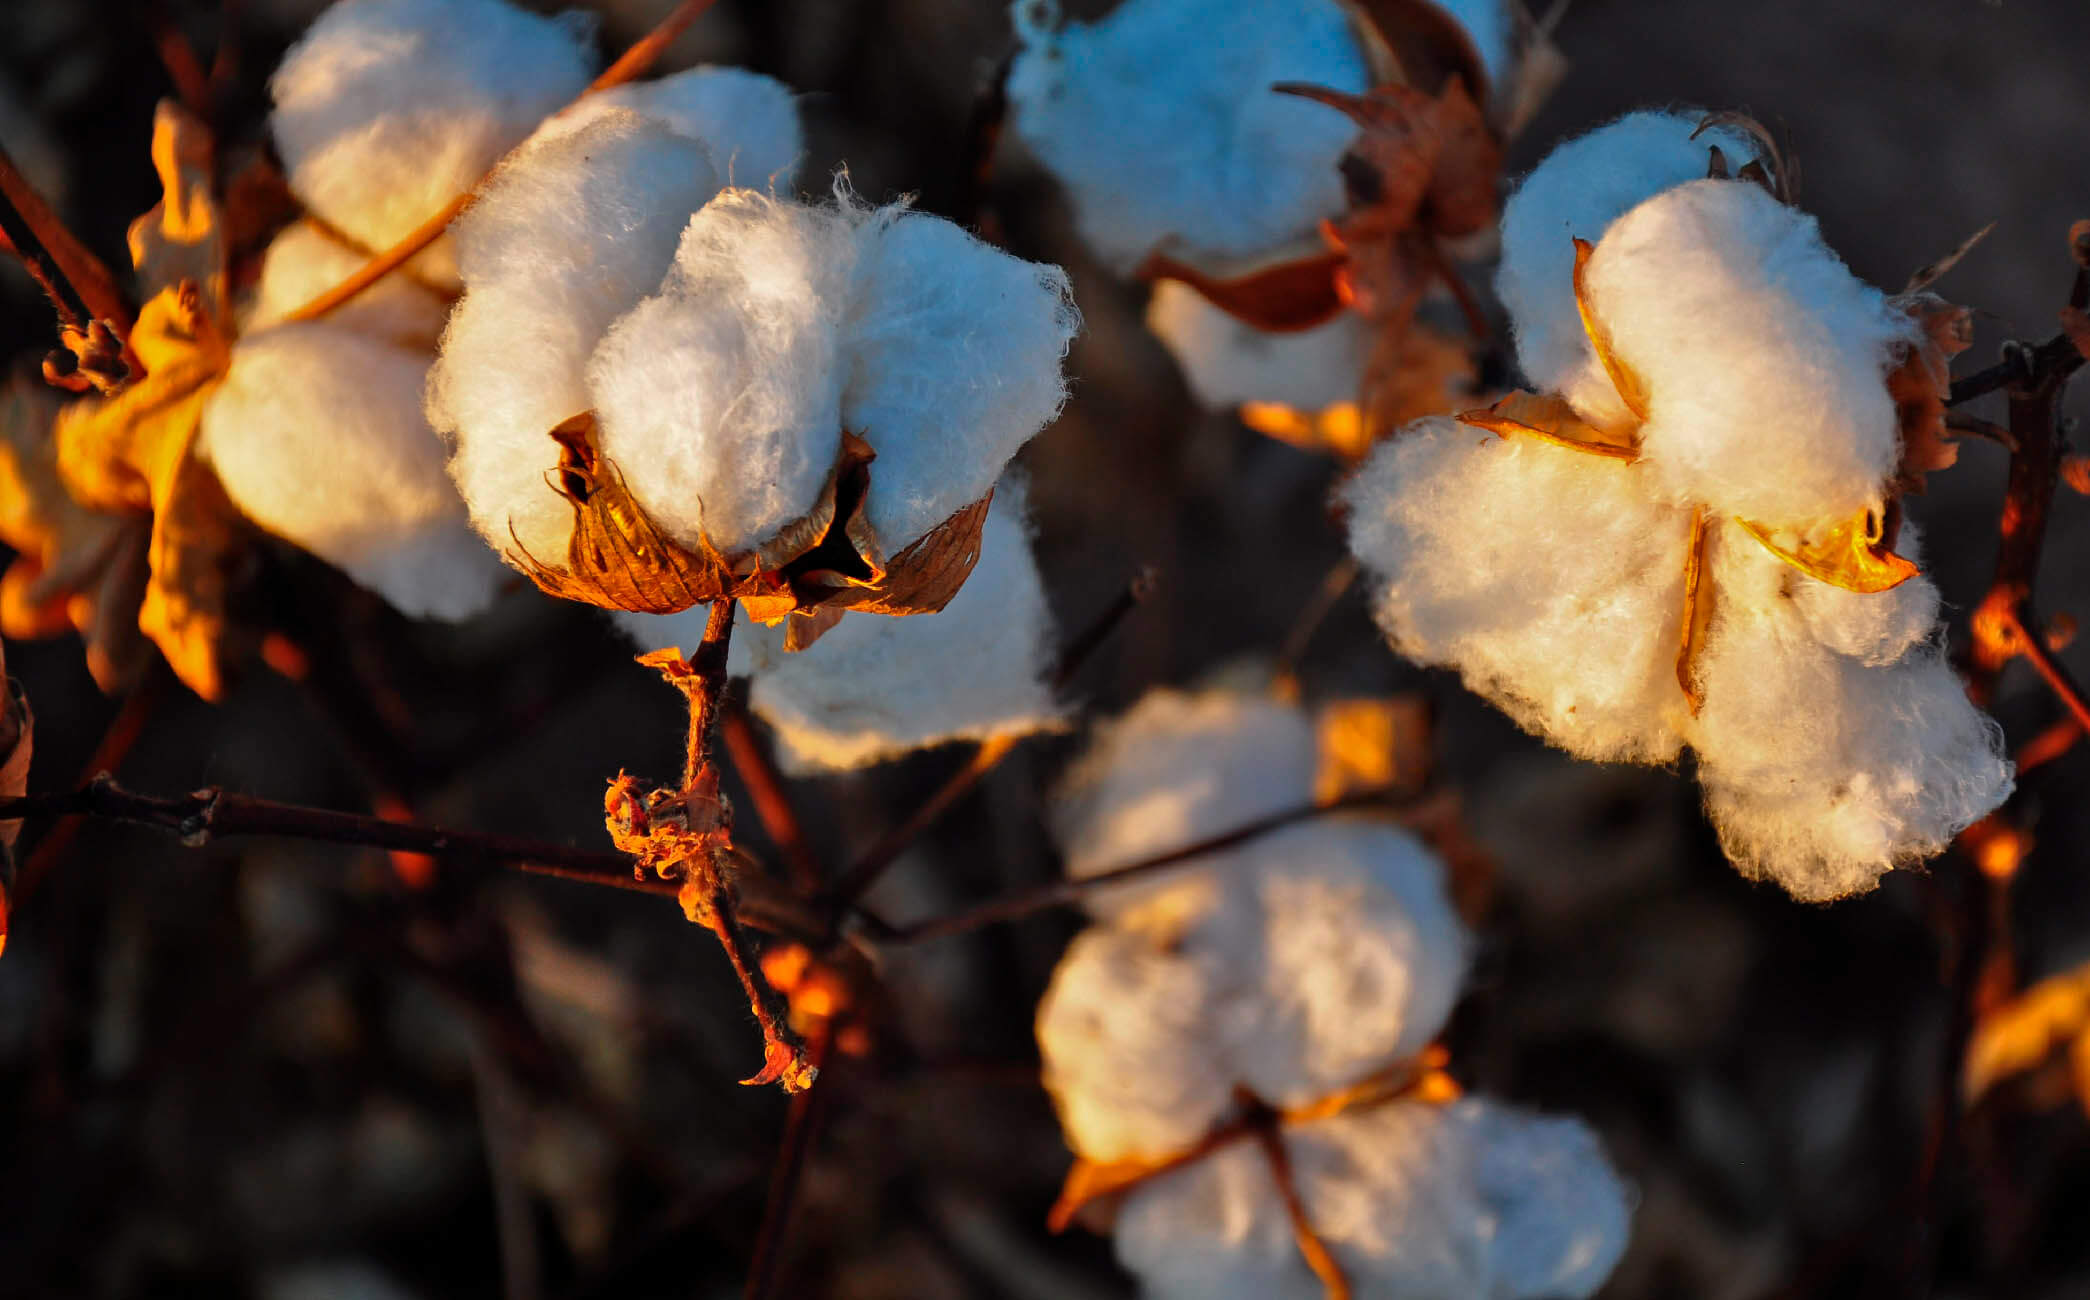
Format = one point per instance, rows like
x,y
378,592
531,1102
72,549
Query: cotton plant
x,y
874,689
1290,240
1241,1052
1690,536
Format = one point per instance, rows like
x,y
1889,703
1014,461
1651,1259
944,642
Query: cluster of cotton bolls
x,y
875,688
1302,965
1749,368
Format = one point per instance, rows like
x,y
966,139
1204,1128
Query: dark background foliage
x,y
262,1067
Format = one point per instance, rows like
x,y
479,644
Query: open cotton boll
x,y
1764,358
749,121
1560,1214
1160,120
1544,576
1823,772
721,395
568,235
1175,769
1357,963
317,434
954,352
302,262
876,687
1580,188
387,110
1228,361
1126,1034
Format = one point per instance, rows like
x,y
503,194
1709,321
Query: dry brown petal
x,y
1428,46
1282,298
1697,621
1549,418
1855,554
200,555
181,237
1921,384
1631,389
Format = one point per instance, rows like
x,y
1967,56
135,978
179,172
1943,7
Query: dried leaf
x,y
181,237
1281,298
2027,1032
1932,272
1853,553
1921,384
1631,390
1698,613
1549,418
1428,45
1371,744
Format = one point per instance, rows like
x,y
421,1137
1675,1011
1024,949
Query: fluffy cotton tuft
x,y
302,263
1414,1201
1547,578
1763,357
387,110
317,434
569,234
1228,362
1178,768
1580,188
749,121
874,688
1160,120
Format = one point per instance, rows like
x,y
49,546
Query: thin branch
x,y
765,788
801,1126
865,872
1335,584
634,63
1060,893
76,282
109,752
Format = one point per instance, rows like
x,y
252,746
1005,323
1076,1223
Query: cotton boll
x,y
875,687
954,363
1126,1038
1358,960
1228,362
1576,193
1823,772
318,437
721,396
302,263
1871,627
1559,1214
749,121
1764,358
568,235
386,110
1214,1230
1160,119
1543,575
1179,768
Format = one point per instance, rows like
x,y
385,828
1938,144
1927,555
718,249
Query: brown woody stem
x,y
1318,1257
76,282
707,688
801,1126
766,789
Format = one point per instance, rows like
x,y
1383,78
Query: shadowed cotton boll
x,y
1547,578
566,236
1228,362
749,120
1763,357
302,263
1580,188
1160,121
1177,768
1128,1035
1417,1202
386,110
318,437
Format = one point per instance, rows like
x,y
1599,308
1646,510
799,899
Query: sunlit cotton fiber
x,y
386,110
302,263
318,437
749,121
1160,120
1228,362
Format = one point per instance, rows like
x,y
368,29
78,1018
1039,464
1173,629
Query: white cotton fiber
x,y
1127,1035
1160,120
1545,576
386,110
1355,965
721,395
954,352
1580,188
1417,1202
1175,769
1822,771
1228,362
747,120
318,437
569,234
302,263
1763,357
875,687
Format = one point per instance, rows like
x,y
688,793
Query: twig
x,y
1318,1257
765,788
801,1126
865,872
634,63
115,745
76,282
192,85
1058,893
1335,584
